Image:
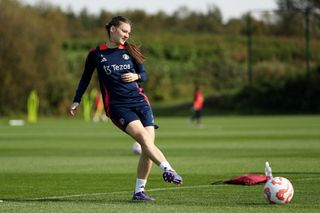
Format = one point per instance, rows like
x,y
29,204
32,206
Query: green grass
x,y
67,165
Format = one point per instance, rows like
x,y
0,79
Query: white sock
x,y
166,166
140,185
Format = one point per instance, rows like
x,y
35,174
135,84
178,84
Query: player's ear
x,y
112,29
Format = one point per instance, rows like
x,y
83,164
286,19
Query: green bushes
x,y
293,94
32,59
176,62
44,49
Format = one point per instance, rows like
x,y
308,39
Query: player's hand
x,y
73,108
129,77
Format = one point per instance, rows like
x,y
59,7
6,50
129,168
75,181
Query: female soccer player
x,y
120,70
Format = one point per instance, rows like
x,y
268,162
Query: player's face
x,y
121,33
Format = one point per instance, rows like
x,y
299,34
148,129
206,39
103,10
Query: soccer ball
x,y
136,148
278,190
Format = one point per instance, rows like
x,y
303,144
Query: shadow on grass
x,y
252,203
62,200
126,201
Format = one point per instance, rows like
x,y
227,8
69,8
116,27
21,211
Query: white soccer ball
x,y
136,148
278,190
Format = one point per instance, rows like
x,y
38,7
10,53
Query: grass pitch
x,y
67,165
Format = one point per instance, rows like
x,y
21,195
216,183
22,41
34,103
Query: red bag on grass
x,y
247,179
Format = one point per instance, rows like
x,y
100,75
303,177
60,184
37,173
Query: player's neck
x,y
112,45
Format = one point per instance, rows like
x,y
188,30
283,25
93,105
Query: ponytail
x,y
135,52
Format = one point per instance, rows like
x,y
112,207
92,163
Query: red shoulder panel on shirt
x,y
103,47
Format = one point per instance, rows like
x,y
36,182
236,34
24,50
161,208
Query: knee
x,y
144,139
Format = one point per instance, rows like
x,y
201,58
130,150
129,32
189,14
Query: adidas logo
x,y
103,60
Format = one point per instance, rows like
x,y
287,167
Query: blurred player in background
x,y
98,109
197,106
120,70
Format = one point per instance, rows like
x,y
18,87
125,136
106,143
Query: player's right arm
x,y
90,65
73,108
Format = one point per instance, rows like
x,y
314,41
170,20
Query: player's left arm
x,y
141,71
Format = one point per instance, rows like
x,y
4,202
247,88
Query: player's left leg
x,y
145,163
145,136
199,118
144,167
143,171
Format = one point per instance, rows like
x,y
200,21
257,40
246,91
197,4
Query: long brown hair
x,y
133,50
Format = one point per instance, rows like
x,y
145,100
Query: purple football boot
x,y
141,196
172,177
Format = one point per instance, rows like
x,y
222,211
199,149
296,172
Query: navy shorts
x,y
122,116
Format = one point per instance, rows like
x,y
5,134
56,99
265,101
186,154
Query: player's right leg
x,y
138,132
171,176
145,136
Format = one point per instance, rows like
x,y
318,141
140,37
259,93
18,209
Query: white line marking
x,y
120,192
129,192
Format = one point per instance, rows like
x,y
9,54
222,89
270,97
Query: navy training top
x,y
111,63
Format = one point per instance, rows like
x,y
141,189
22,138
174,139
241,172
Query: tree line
x,y
43,49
